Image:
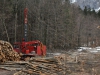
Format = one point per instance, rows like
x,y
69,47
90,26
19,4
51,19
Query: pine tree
x,y
85,10
98,13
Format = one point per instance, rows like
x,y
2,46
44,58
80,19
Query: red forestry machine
x,y
29,48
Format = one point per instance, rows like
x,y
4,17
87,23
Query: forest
x,y
58,24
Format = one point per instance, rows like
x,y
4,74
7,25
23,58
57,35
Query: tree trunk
x,y
4,22
16,22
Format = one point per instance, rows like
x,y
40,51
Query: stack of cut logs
x,y
7,53
43,66
36,66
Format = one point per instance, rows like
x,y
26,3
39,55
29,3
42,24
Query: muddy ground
x,y
6,72
83,63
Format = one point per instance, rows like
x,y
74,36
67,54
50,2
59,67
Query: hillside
x,y
93,4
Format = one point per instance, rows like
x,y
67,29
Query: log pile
x,y
36,66
7,53
43,66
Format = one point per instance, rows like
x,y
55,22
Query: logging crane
x,y
29,48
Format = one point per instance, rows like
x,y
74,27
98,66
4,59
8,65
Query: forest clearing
x,y
57,62
49,37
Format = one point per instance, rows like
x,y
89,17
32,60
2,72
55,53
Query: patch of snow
x,y
98,48
83,48
93,51
97,10
73,1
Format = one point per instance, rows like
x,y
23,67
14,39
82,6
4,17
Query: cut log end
x,y
7,53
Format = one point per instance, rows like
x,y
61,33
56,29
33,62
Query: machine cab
x,y
17,47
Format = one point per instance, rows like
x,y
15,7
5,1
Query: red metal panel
x,y
44,50
27,51
39,50
25,15
25,12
